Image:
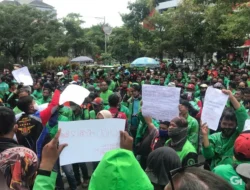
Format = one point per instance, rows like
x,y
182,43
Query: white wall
x,y
167,4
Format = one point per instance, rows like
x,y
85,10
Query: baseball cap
x,y
190,86
97,101
218,85
243,170
171,84
60,74
241,147
203,86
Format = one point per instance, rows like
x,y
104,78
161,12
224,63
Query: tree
x,y
21,28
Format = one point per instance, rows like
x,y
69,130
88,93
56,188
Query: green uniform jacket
x,y
4,87
112,85
228,173
92,114
105,96
37,94
119,170
130,107
193,130
45,182
188,154
220,149
42,101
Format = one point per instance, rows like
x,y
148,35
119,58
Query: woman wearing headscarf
x,y
177,131
104,114
160,162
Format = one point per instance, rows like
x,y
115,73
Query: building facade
x,y
164,5
38,4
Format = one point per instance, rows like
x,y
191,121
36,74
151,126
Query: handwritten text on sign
x,y
89,140
160,102
214,104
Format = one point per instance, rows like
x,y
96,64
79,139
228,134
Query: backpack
x,y
31,133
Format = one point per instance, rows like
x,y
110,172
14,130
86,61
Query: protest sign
x,y
160,102
214,104
247,125
89,140
74,93
22,75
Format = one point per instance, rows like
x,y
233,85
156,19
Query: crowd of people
x,y
153,154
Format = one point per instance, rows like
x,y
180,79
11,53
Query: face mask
x,y
203,93
163,133
172,132
156,80
228,132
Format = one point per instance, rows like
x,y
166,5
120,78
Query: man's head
x,y
125,84
246,97
244,77
163,129
156,77
138,80
162,80
197,179
114,100
242,85
190,88
238,95
75,108
184,107
241,147
97,104
214,81
178,127
228,122
13,86
104,86
38,86
27,105
7,120
46,93
203,89
135,89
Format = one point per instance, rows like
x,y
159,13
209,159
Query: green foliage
x,y
53,63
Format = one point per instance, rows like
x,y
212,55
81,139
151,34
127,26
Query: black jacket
x,y
6,143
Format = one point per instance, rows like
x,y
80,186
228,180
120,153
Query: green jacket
x,y
188,154
4,87
123,109
119,170
220,149
84,115
228,173
193,130
105,96
130,107
42,101
92,114
37,94
112,85
45,182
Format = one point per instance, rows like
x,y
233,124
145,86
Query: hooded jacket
x,y
119,170
220,149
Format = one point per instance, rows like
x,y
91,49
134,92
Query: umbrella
x,y
145,62
82,59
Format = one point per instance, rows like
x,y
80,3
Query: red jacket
x,y
117,114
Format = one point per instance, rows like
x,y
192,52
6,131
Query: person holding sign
x,y
219,146
178,133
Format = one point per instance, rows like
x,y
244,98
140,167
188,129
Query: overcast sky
x,y
92,8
